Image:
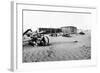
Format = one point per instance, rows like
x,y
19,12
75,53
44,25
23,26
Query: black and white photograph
x,y
56,36
49,36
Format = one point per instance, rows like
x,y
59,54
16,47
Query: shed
x,y
69,30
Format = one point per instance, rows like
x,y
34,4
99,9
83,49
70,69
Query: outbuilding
x,y
69,30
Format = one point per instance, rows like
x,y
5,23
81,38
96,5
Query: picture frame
x,y
20,16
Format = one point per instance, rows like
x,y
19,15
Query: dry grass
x,y
61,48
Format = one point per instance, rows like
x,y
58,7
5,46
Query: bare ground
x,y
60,49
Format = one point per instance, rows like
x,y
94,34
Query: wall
x,y
69,30
5,36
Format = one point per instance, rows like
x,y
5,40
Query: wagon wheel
x,y
47,40
44,41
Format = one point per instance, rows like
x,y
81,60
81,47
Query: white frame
x,y
16,59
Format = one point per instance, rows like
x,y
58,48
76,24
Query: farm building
x,y
69,30
49,30
64,30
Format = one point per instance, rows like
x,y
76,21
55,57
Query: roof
x,y
69,27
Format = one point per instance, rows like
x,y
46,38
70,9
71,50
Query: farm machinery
x,y
35,38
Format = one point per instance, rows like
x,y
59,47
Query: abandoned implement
x,y
34,38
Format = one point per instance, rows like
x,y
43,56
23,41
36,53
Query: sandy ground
x,y
60,49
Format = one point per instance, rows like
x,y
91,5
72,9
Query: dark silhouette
x,y
27,31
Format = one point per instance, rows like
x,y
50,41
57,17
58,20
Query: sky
x,y
36,19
